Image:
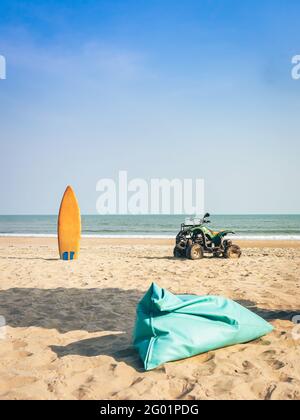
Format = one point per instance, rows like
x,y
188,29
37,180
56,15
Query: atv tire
x,y
195,252
188,245
233,251
177,252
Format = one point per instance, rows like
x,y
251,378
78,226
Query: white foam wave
x,y
237,237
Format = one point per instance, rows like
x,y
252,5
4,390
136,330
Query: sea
x,y
258,227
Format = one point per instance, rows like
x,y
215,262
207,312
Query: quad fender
x,y
218,237
225,232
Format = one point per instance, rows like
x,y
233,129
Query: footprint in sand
x,y
207,365
276,364
269,358
268,353
247,365
269,392
286,378
19,344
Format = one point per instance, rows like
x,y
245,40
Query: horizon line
x,y
159,214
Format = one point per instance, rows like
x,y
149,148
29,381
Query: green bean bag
x,y
170,327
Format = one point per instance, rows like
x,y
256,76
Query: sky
x,y
160,88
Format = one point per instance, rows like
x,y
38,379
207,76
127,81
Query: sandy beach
x,y
68,324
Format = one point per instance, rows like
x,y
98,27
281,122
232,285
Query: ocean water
x,y
159,226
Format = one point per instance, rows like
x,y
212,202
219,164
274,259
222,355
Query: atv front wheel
x,y
195,252
233,251
177,252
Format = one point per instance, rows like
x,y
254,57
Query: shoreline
x,y
95,241
162,237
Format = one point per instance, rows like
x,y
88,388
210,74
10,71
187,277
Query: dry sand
x,y
69,324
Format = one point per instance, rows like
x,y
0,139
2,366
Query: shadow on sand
x,y
118,346
269,314
94,310
68,309
174,258
29,258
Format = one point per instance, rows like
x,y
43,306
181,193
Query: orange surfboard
x,y
69,226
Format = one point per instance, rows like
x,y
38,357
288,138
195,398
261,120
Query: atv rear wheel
x,y
233,251
195,252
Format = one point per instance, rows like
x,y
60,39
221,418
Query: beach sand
x,y
69,324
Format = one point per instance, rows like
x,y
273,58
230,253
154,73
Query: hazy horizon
x,y
157,214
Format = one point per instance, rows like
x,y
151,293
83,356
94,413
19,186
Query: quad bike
x,y
194,239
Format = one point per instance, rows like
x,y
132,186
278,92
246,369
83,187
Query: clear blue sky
x,y
194,88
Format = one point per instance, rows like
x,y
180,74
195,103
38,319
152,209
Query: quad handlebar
x,y
196,221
